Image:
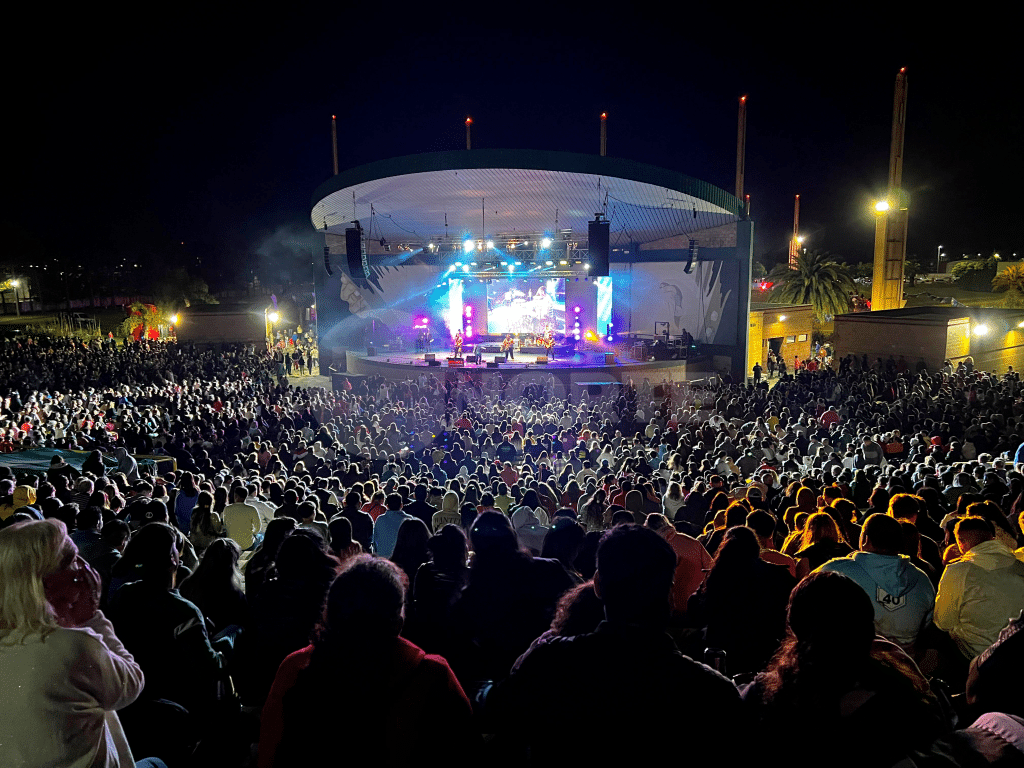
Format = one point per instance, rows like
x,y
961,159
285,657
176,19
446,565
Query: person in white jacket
x,y
981,591
65,674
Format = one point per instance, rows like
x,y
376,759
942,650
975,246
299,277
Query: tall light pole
x,y
17,304
938,256
891,215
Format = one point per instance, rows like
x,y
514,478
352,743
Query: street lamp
x,y
938,256
17,304
882,206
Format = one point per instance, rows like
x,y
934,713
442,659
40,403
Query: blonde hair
x,y
821,527
29,552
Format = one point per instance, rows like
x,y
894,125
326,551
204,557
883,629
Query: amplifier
x,y
609,358
499,359
434,363
455,362
493,365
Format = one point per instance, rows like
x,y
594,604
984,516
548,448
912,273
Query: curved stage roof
x,y
485,193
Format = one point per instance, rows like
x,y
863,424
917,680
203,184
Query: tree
x,y
178,287
817,280
1010,279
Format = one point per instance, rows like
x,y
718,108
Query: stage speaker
x,y
434,363
429,356
542,360
499,359
354,251
327,260
598,246
609,358
472,358
493,365
371,351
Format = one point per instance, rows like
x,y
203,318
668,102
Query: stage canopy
x,y
443,197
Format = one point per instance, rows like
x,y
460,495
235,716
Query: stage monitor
x,y
525,305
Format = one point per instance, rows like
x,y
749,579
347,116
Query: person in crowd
x,y
840,683
693,563
205,525
216,589
403,692
901,594
742,604
822,540
980,592
66,673
242,521
628,658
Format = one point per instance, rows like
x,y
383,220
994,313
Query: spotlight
x,y
576,310
511,268
549,263
563,263
586,266
980,330
490,244
467,246
458,263
545,243
465,267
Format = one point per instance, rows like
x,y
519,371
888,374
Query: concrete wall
x,y
221,327
765,324
862,334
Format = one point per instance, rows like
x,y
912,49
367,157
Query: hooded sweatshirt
x,y
529,529
900,592
979,594
24,496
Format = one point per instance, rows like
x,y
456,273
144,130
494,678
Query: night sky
x,y
132,135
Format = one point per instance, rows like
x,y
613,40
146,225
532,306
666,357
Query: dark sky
x,y
132,134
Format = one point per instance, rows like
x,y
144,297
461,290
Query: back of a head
x,y
492,536
972,531
656,522
831,611
148,554
340,529
301,558
884,533
306,510
635,568
736,514
365,602
448,547
821,527
29,552
761,523
905,506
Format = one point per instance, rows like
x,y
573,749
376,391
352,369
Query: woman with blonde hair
x,y
65,672
822,541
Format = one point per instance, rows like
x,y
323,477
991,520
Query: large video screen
x,y
523,305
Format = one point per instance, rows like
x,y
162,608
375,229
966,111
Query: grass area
x,y
29,323
929,295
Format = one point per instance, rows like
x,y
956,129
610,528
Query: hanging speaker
x,y
691,256
354,251
327,260
598,246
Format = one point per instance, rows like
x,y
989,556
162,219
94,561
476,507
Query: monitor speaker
x,y
542,360
499,359
493,365
609,358
429,356
434,363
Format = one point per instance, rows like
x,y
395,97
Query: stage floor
x,y
581,370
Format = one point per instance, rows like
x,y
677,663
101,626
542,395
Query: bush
x,y
974,275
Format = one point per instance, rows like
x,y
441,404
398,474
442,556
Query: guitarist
x,y
508,347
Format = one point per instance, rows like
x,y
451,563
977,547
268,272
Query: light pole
x,y
938,256
17,304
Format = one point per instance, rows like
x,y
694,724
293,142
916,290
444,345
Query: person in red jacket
x,y
360,691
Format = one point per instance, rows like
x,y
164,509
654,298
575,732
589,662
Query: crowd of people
x,y
476,566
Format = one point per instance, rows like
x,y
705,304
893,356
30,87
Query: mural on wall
x,y
704,302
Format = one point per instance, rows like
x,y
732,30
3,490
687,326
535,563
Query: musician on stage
x,y
457,344
508,347
549,343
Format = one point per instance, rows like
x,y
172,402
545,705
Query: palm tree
x,y
817,280
1011,282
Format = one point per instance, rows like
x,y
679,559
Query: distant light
x,y
609,338
473,263
563,262
1020,324
800,239
545,243
468,246
549,263
586,266
174,319
980,330
609,325
469,121
490,243
511,268
458,263
465,267
882,206
782,318
576,310
274,317
519,263
469,311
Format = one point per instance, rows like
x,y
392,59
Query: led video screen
x,y
523,305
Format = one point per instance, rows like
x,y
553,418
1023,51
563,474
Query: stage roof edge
x,y
529,159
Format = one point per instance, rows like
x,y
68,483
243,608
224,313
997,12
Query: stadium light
x,y
882,206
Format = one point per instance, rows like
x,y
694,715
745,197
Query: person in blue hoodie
x,y
901,593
